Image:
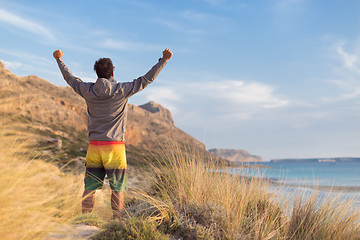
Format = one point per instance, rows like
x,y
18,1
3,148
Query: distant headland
x,y
338,159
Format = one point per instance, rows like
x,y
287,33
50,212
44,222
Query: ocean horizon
x,y
338,179
336,174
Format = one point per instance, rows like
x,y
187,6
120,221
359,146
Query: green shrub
x,y
131,228
89,219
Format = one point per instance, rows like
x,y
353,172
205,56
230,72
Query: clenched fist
x,y
167,54
58,54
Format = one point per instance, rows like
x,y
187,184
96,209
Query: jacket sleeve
x,y
74,82
130,88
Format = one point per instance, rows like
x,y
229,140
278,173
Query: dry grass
x,y
35,197
220,205
189,201
329,218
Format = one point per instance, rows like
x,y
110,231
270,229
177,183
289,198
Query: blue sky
x,y
280,78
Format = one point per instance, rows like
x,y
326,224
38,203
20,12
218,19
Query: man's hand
x,y
58,54
167,54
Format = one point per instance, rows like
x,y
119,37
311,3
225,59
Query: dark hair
x,y
104,68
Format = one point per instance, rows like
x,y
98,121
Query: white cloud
x,y
349,88
240,92
11,64
24,24
285,5
88,79
198,17
128,46
30,64
162,94
180,26
303,118
236,93
346,77
165,95
350,60
26,57
214,2
238,115
224,98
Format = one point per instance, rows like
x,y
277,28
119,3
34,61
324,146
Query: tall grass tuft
x,y
329,218
35,196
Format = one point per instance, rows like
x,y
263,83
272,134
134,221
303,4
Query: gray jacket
x,y
107,100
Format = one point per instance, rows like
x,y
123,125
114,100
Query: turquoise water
x,y
307,173
296,175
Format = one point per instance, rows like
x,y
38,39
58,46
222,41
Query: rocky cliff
x,y
234,155
159,111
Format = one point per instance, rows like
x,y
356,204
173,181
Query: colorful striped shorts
x,y
106,158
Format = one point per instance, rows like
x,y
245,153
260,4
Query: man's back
x,y
106,101
107,110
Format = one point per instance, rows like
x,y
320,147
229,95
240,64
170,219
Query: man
x,y
106,102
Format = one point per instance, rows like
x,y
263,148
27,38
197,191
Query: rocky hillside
x,y
235,155
158,111
60,112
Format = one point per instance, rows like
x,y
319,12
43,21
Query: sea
x,y
338,179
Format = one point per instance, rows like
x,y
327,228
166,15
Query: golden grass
x,y
328,218
35,197
188,200
191,201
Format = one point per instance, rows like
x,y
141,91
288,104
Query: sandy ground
x,y
74,232
344,189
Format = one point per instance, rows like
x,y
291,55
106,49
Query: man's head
x,y
104,68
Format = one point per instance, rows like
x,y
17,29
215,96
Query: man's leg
x,y
115,167
117,204
94,175
88,201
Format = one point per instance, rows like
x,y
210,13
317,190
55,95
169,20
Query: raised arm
x,y
63,68
155,70
140,83
73,81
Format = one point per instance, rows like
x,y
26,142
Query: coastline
x,y
280,182
275,183
337,189
233,165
